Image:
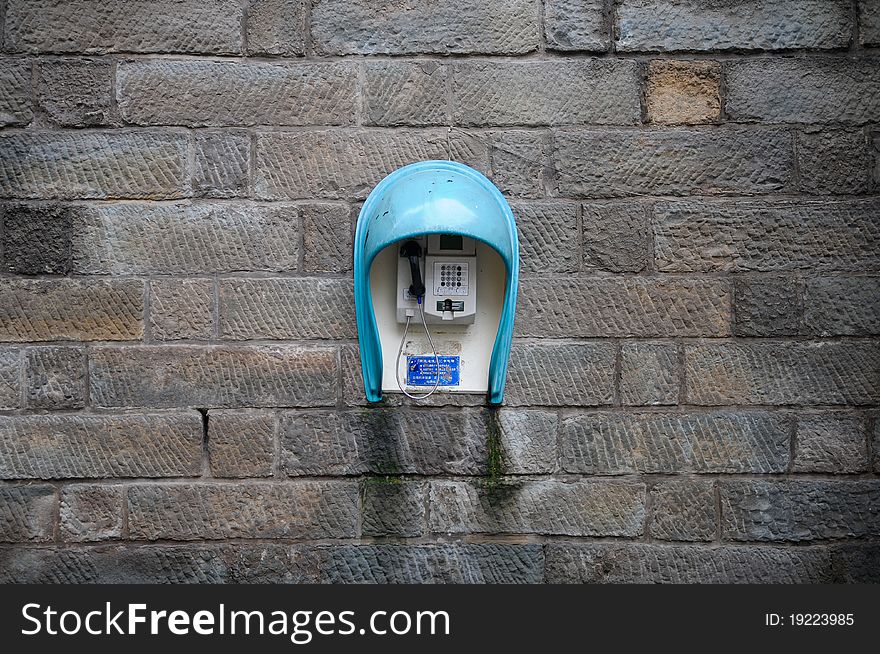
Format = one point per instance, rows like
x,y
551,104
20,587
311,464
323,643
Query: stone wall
x,y
694,386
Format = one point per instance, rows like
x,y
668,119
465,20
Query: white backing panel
x,y
473,342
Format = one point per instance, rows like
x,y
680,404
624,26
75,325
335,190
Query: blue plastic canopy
x,y
431,197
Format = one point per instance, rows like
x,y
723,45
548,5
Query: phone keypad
x,y
451,278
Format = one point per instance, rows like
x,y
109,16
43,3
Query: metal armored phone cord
x,y
433,349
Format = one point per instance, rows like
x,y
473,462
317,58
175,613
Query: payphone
x,y
436,271
436,279
446,264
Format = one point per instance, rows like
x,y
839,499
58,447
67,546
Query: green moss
x,y
384,479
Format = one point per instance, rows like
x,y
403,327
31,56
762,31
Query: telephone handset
x,y
448,284
412,251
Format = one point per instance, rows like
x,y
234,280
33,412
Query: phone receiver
x,y
413,251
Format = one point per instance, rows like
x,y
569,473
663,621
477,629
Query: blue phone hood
x,y
426,198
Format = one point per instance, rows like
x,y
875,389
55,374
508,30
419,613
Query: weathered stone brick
x,y
27,513
221,164
384,441
424,564
782,373
830,442
56,377
649,373
560,374
353,392
299,509
197,93
548,236
723,441
842,306
328,238
594,508
241,444
100,446
181,308
631,306
75,92
471,148
336,164
869,23
858,563
665,25
393,507
442,27
71,310
519,161
327,443
615,236
36,238
10,378
15,92
526,441
767,235
820,90
768,306
598,91
683,510
114,164
212,376
875,443
730,159
91,512
683,92
650,563
268,564
191,563
576,25
263,564
834,161
446,563
799,510
876,156
405,93
94,26
132,239
289,308
276,27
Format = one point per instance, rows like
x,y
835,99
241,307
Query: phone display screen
x,y
451,242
